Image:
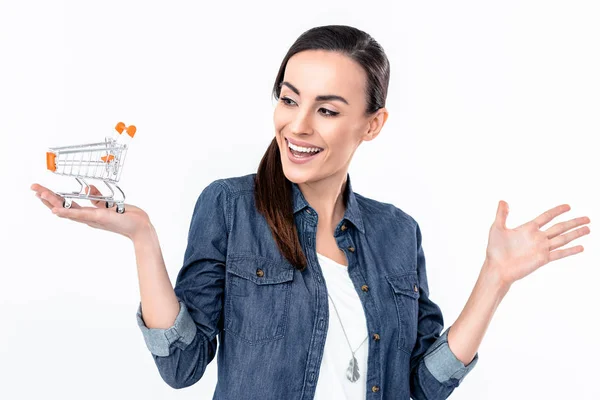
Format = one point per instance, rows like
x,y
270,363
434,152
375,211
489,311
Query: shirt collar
x,y
352,213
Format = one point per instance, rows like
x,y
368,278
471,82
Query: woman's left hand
x,y
515,253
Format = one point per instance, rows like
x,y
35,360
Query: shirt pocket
x,y
405,288
257,298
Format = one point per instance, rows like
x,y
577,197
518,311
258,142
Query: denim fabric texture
x,y
270,320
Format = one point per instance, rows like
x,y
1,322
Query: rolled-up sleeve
x,y
159,341
443,364
435,369
183,351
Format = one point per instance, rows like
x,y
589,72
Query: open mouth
x,y
301,152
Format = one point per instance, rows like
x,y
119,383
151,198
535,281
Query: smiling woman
x,y
316,291
308,289
331,90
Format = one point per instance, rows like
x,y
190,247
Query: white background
x,y
487,101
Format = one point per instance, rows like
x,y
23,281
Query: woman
x,y
315,291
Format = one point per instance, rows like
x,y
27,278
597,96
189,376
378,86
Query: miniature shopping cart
x,y
102,161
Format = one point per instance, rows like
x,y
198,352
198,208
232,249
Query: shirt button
x,y
351,249
364,288
259,272
416,288
343,227
375,336
375,388
307,211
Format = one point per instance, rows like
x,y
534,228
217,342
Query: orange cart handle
x,y
51,161
131,129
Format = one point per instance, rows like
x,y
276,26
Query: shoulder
x,y
220,194
229,187
380,212
235,185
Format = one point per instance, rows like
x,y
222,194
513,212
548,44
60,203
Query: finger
x,y
37,187
561,240
49,197
85,215
558,254
93,191
55,200
39,190
565,226
549,215
50,206
502,213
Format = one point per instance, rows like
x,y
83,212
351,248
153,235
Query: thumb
x,y
502,214
94,192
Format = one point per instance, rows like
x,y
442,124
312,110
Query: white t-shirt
x,y
333,383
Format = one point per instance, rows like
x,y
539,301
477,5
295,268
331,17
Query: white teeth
x,y
302,149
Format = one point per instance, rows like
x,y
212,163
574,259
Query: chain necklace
x,y
352,371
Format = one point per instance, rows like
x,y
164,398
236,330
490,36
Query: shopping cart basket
x,y
102,161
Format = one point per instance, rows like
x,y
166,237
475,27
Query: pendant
x,y
352,371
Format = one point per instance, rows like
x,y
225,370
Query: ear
x,y
376,122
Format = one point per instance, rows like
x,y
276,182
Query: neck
x,y
326,197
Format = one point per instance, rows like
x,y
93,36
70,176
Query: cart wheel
x,y
109,204
120,208
67,203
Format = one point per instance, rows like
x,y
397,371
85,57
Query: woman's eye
x,y
285,99
326,113
330,113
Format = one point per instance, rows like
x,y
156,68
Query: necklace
x,y
352,371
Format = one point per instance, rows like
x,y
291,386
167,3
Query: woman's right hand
x,y
132,222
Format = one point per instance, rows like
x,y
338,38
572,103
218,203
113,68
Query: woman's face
x,y
322,105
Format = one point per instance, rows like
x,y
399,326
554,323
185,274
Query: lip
x,y
295,160
301,143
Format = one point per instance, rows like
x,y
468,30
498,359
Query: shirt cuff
x,y
443,364
159,341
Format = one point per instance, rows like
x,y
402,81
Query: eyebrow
x,y
318,98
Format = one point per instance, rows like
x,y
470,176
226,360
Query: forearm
x,y
466,334
159,304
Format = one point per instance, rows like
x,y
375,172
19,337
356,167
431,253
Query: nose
x,y
301,122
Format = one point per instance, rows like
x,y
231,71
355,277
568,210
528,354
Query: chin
x,y
293,175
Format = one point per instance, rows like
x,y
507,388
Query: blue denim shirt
x,y
271,319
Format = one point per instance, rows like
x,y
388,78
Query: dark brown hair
x,y
273,191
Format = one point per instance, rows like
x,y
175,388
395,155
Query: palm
x,y
126,224
518,252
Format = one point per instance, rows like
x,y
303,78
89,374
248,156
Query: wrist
x,y
491,275
143,233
